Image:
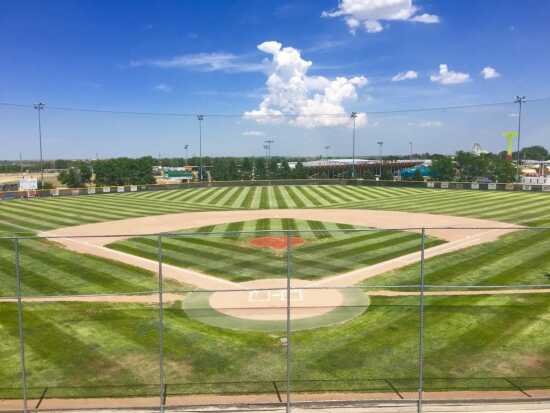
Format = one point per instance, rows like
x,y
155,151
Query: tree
x,y
299,171
443,168
504,170
124,171
536,152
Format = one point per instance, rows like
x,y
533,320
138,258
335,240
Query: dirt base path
x,y
92,238
459,233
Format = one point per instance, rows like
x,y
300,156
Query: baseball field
x,y
91,317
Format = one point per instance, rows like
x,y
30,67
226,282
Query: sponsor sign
x,y
54,192
430,184
106,189
509,187
91,191
28,184
120,189
444,185
475,185
459,186
133,188
75,192
546,188
492,187
527,187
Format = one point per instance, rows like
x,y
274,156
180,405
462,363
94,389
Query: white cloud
x,y
449,77
253,133
291,92
371,13
206,62
489,72
408,75
162,87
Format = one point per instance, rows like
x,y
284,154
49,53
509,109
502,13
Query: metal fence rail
x,y
290,385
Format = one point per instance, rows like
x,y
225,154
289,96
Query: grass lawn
x,y
232,256
79,349
48,269
518,258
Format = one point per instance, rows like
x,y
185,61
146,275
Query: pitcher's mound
x,y
277,242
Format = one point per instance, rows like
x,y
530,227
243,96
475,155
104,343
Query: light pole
x,y
380,145
353,117
200,119
520,100
39,107
267,147
411,149
186,147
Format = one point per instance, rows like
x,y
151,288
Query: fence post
x,y
20,323
421,325
161,327
288,329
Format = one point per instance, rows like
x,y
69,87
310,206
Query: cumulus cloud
x,y
206,62
408,75
489,72
253,133
163,87
292,92
371,13
449,77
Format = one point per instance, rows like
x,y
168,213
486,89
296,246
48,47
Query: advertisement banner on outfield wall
x,y
91,191
475,185
444,185
527,187
133,188
75,192
54,192
430,184
492,187
546,188
120,189
509,187
106,189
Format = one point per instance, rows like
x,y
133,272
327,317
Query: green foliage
x,y
443,168
387,174
124,171
536,152
76,176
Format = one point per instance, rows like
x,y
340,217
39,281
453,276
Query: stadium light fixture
x,y
39,108
520,100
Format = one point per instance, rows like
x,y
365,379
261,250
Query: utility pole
x,y
39,107
411,149
353,117
520,100
267,147
380,145
200,119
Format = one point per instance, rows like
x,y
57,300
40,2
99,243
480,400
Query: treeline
x,y
116,171
467,167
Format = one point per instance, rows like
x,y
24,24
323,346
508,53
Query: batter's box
x,y
264,296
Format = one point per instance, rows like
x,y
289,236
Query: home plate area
x,y
262,305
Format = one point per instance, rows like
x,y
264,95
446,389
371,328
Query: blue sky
x,y
205,57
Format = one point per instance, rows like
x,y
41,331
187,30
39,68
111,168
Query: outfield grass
x,y
471,342
48,269
327,251
83,349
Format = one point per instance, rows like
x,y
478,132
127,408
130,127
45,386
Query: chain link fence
x,y
279,318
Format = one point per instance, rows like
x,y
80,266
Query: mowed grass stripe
x,y
264,198
295,198
247,201
311,198
279,199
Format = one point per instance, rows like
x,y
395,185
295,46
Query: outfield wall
x,y
6,195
